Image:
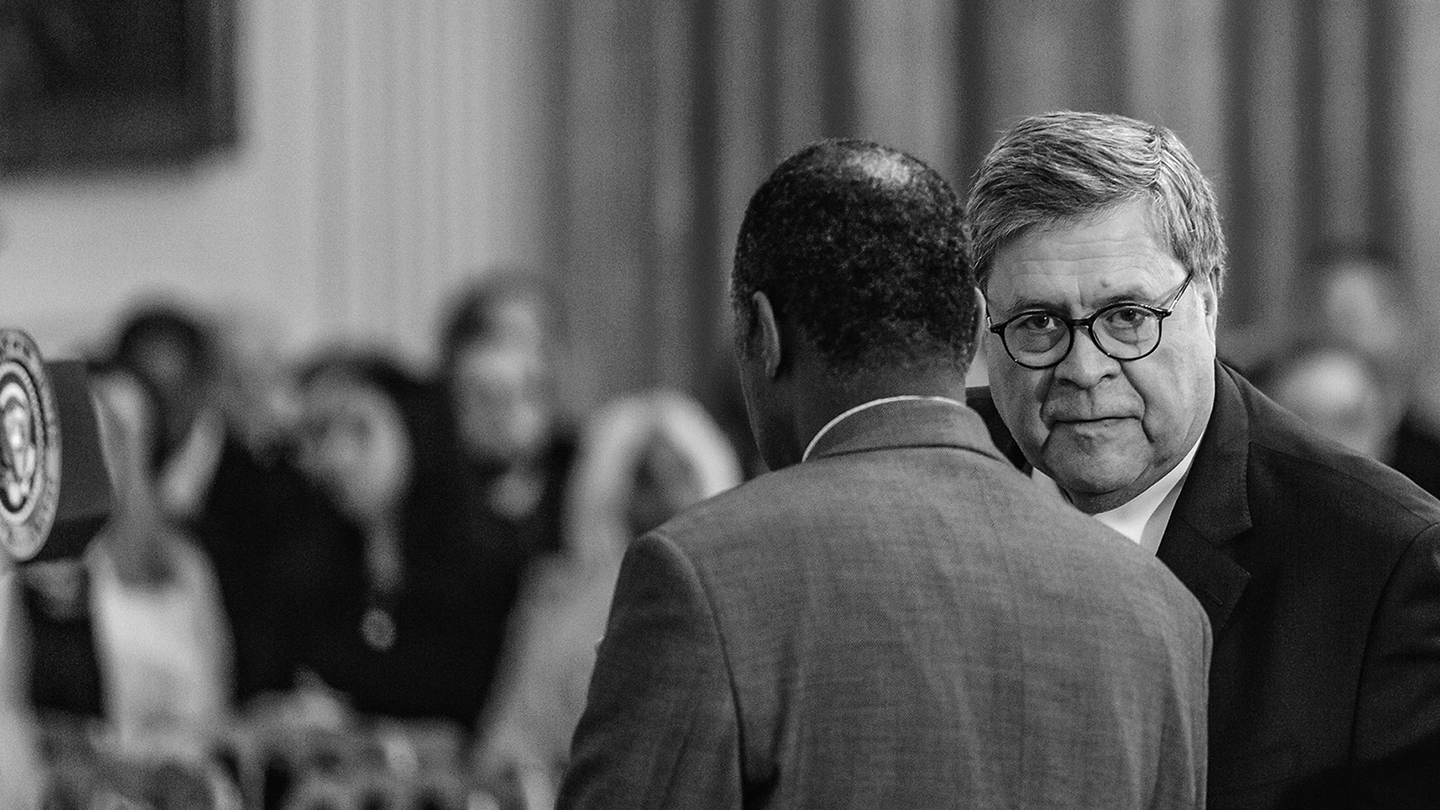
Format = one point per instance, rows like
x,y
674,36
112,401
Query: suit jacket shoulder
x,y
1320,570
896,622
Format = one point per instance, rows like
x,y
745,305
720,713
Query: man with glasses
x,y
888,619
1097,246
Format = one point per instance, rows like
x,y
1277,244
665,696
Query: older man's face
x,y
1104,429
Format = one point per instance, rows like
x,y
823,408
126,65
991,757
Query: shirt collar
x,y
866,406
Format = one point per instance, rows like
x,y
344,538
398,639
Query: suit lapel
x,y
983,403
1214,508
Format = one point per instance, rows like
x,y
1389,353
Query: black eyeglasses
x,y
1125,330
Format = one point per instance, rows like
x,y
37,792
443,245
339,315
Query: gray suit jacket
x,y
896,623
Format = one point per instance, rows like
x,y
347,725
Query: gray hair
x,y
1063,166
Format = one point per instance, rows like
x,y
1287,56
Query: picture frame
x,y
88,84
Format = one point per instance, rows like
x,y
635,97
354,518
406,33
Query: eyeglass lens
x,y
1122,331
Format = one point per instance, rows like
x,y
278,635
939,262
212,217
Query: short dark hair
x,y
860,247
1061,166
162,323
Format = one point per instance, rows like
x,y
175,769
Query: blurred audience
x,y
498,352
224,475
392,607
163,645
1340,392
129,653
398,584
641,460
1358,370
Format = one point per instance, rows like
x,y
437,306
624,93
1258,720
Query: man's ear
x,y
980,313
765,335
1210,302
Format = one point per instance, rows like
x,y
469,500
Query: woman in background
x,y
500,354
130,655
132,633
394,608
641,460
161,638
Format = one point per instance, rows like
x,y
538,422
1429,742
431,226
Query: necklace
x,y
377,627
384,576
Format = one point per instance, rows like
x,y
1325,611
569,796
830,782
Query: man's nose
x,y
1085,366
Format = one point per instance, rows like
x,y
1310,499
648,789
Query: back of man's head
x,y
1066,165
859,247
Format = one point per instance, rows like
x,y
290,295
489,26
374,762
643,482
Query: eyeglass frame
x,y
1071,324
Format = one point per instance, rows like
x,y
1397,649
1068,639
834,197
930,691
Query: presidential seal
x,y
29,447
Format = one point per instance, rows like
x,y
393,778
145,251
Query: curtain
x,y
1316,120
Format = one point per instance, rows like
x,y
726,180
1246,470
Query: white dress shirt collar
x,y
866,406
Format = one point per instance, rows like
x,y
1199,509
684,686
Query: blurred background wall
x,y
386,151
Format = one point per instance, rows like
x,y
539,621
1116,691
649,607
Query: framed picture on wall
x,y
102,83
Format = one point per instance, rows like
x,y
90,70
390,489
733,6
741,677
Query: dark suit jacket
x,y
896,623
1320,571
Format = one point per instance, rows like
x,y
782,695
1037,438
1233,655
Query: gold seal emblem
x,y
29,447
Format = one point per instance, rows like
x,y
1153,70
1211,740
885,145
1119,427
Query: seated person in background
x,y
175,352
1367,306
163,645
239,496
497,361
130,639
641,460
389,605
1363,303
134,631
168,350
1339,392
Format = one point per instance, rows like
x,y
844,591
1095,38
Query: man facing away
x,y
892,618
1098,248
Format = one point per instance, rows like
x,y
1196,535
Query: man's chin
x,y
1090,475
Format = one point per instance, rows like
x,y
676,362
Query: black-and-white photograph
x,y
746,404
